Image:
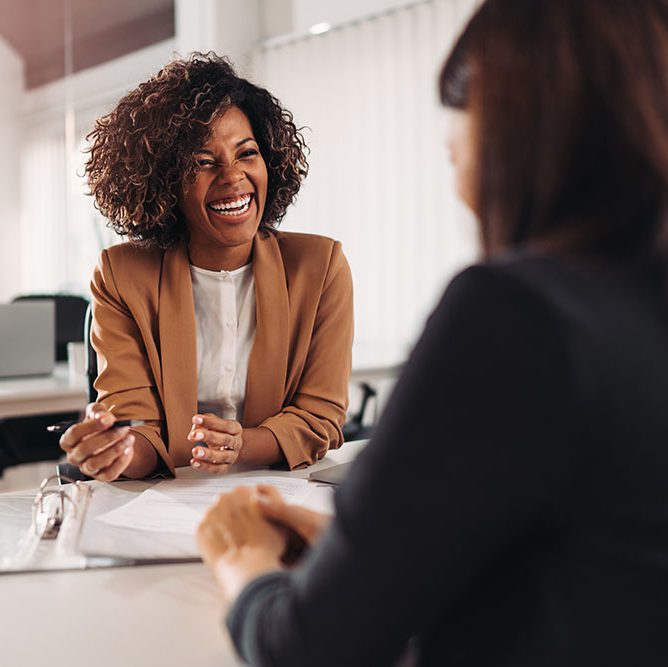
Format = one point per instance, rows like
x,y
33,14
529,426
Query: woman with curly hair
x,y
230,340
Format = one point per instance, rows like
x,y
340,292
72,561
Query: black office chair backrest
x,y
70,315
354,428
91,356
68,469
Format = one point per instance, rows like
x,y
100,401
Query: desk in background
x,y
166,615
42,395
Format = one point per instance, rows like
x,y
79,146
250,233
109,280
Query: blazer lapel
x,y
268,364
178,340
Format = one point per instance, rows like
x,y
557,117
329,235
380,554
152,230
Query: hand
x,y
224,440
237,543
97,449
302,527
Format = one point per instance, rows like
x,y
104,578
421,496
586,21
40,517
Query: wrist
x,y
235,569
144,460
260,447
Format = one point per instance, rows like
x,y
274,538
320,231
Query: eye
x,y
204,163
250,152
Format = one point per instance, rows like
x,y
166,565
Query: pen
x,y
60,427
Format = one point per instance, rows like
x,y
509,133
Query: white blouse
x,y
225,322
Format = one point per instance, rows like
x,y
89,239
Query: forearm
x,y
260,447
144,460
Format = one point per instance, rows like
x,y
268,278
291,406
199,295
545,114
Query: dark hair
x,y
570,107
142,152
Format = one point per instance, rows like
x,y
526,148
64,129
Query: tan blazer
x,y
144,335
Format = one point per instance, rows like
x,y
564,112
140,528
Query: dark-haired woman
x,y
529,525
230,340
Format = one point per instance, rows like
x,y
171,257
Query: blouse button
x,y
227,368
230,323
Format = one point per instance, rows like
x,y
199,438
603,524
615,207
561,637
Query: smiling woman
x,y
229,339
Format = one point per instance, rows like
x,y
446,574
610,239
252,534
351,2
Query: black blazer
x,y
512,508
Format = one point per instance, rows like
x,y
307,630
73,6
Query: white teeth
x,y
234,207
239,211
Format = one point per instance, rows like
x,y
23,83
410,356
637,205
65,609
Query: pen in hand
x,y
61,427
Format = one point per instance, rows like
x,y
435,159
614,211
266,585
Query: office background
x,y
359,75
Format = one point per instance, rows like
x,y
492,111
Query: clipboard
x,y
55,537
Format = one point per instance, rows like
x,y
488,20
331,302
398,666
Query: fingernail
x,y
199,453
127,450
198,420
107,420
195,464
199,435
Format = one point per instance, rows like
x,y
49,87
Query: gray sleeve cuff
x,y
244,620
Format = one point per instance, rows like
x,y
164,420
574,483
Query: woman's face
x,y
461,151
223,207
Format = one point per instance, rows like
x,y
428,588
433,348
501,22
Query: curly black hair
x,y
141,153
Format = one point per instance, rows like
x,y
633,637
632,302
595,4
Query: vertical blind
x,y
379,178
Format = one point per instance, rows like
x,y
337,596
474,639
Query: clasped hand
x,y
249,532
220,441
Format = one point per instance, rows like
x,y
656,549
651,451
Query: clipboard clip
x,y
47,517
50,542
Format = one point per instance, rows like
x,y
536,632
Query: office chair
x,y
91,356
25,439
67,469
354,428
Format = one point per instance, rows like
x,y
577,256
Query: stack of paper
x,y
160,523
177,506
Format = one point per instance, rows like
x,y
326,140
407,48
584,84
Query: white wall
x,y
95,89
61,233
307,13
11,92
228,27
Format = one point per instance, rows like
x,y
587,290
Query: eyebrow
x,y
239,143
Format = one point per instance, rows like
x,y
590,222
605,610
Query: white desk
x,y
167,615
41,395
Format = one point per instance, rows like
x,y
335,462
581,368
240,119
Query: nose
x,y
230,174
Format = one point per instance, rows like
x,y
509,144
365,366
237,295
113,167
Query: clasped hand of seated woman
x,y
250,532
220,443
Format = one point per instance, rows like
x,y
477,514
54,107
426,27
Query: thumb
x,y
273,507
92,408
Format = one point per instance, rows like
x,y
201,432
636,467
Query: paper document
x,y
177,506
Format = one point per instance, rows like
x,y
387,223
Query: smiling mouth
x,y
231,207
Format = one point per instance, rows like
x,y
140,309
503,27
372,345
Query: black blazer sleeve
x,y
471,451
